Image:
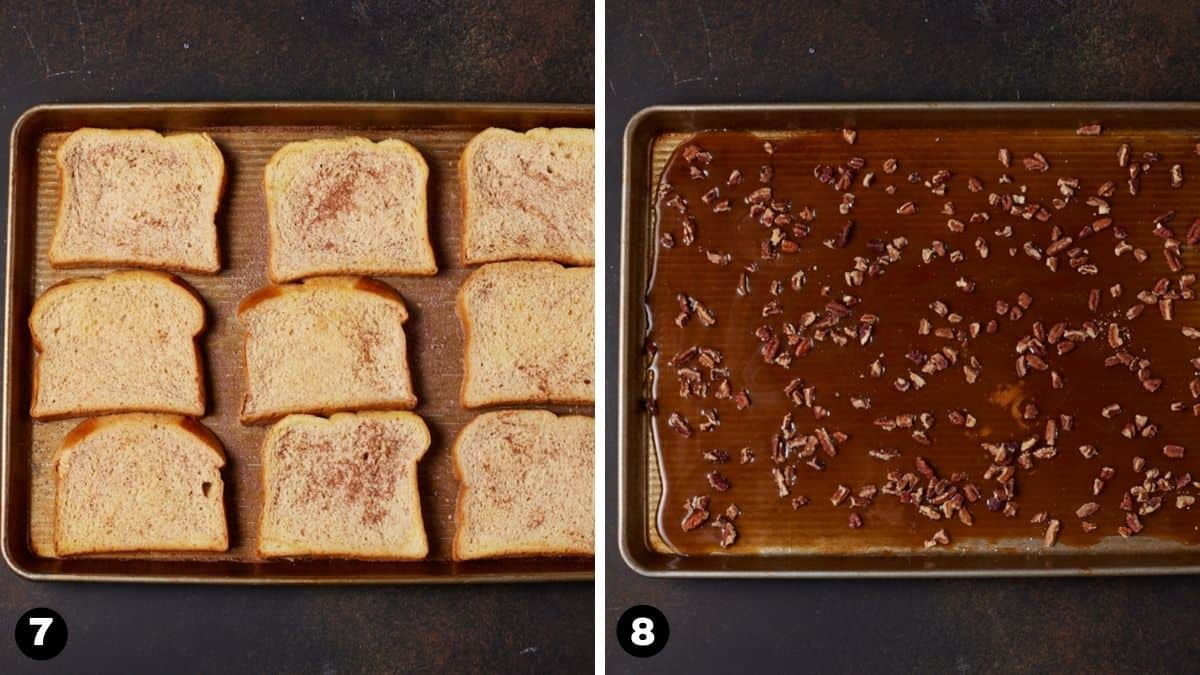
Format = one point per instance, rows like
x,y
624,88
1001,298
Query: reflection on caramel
x,y
901,297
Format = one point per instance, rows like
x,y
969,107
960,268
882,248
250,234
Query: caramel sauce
x,y
900,298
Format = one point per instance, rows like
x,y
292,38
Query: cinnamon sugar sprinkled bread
x,y
529,196
526,485
347,206
139,482
529,334
344,486
324,345
133,197
123,342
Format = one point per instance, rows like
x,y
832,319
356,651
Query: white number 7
x,y
43,624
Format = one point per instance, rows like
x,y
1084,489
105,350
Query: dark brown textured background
x,y
63,51
715,51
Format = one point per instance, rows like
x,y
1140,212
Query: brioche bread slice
x,y
525,485
122,342
347,206
139,482
137,198
324,345
529,196
529,336
343,487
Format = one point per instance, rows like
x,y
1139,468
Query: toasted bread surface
x,y
529,196
118,343
324,345
529,334
136,198
139,482
526,485
345,486
347,206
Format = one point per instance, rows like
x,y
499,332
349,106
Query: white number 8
x,y
43,624
643,632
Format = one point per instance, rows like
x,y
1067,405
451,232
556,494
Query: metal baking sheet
x,y
650,138
248,133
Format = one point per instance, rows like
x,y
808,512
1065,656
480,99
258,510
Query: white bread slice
x,y
526,485
343,487
139,482
347,206
325,345
529,196
122,342
528,332
133,197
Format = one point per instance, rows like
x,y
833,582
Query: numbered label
x,y
643,631
41,634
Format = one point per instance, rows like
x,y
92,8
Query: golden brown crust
x,y
379,288
95,423
360,283
271,418
258,297
84,412
204,434
99,262
81,431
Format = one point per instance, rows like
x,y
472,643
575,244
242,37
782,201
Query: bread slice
x,y
133,197
123,342
343,487
347,206
139,482
526,485
529,336
529,196
325,345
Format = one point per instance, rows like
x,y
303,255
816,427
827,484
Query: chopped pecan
x,y
697,513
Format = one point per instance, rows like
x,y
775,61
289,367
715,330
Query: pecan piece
x,y
729,533
680,424
697,513
718,481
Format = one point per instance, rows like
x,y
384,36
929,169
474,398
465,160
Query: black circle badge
x,y
642,631
41,633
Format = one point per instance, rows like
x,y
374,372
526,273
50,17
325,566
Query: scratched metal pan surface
x,y
650,138
248,133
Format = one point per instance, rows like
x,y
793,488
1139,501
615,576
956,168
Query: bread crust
x,y
413,483
468,214
272,208
460,515
460,310
268,293
39,349
93,425
94,261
